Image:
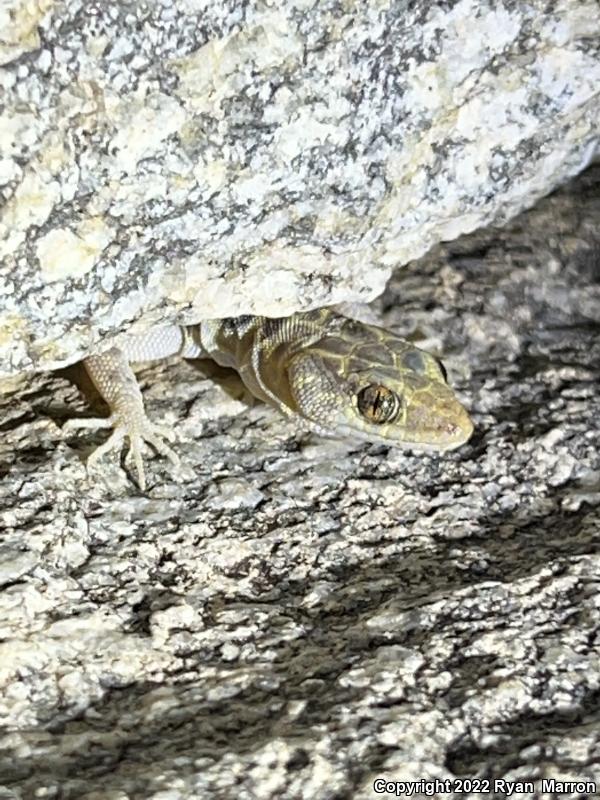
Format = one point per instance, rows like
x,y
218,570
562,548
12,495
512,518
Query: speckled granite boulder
x,y
202,159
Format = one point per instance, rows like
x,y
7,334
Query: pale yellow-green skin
x,y
315,364
312,366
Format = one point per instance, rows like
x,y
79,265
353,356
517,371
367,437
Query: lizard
x,y
332,373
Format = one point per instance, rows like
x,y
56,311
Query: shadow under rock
x,y
529,742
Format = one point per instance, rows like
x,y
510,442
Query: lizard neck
x,y
260,349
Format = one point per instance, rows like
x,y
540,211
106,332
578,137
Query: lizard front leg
x,y
113,377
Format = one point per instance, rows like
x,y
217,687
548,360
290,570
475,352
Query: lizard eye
x,y
378,404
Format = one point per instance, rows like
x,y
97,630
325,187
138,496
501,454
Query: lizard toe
x,y
154,435
137,432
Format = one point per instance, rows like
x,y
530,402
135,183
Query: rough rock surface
x,y
201,159
304,615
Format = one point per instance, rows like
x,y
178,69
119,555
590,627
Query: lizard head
x,y
362,380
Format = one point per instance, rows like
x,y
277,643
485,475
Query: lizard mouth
x,y
453,436
431,431
455,432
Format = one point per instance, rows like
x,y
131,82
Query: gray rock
x,y
358,612
199,159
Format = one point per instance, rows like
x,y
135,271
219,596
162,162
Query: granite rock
x,y
199,159
300,616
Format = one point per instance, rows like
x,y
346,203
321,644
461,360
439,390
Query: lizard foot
x,y
137,431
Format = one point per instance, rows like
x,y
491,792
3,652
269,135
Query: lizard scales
x,y
331,372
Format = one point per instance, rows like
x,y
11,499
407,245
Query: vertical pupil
x,y
377,403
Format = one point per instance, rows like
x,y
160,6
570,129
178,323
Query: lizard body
x,y
334,373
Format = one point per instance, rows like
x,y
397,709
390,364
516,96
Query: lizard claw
x,y
137,432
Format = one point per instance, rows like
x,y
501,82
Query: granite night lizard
x,y
325,370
